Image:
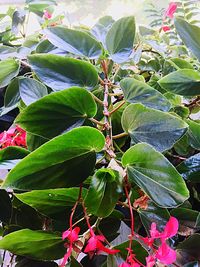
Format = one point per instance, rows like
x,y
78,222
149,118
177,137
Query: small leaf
x,y
159,129
58,112
189,34
31,90
120,38
139,92
155,175
74,41
103,192
184,82
9,68
12,96
60,73
190,168
64,161
38,245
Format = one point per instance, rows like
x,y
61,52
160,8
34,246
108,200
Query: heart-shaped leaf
x,y
120,38
189,33
38,245
184,82
154,127
51,201
64,161
139,92
74,41
9,68
60,72
58,112
157,177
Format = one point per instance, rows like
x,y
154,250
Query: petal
x,y
101,247
92,245
165,254
171,227
124,264
65,234
150,261
154,232
74,234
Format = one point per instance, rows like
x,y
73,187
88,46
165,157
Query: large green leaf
x,y
190,168
184,82
189,34
60,73
157,177
58,112
64,161
155,127
194,134
191,246
155,214
37,245
24,262
52,201
139,92
103,192
9,68
120,38
74,41
31,90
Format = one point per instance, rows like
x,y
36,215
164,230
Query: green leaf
x,y
190,168
64,161
191,246
194,134
155,175
6,207
184,82
60,73
58,112
189,34
74,41
139,92
48,48
31,263
7,51
155,214
9,68
103,192
120,38
10,156
12,96
52,201
188,219
139,251
38,245
31,90
154,127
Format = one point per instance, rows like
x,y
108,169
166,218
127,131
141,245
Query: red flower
x,y
150,261
71,235
72,238
47,15
13,137
171,228
166,28
95,246
165,254
170,10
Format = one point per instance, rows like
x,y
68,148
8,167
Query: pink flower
x,y
170,10
171,228
47,15
71,235
72,238
150,261
166,28
95,246
13,137
124,264
165,254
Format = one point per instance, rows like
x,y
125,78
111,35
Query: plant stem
x,y
97,99
117,136
96,121
118,107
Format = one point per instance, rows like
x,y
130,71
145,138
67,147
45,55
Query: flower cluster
x,y
169,13
13,137
163,253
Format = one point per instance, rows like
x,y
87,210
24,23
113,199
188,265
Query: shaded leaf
x,y
9,68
